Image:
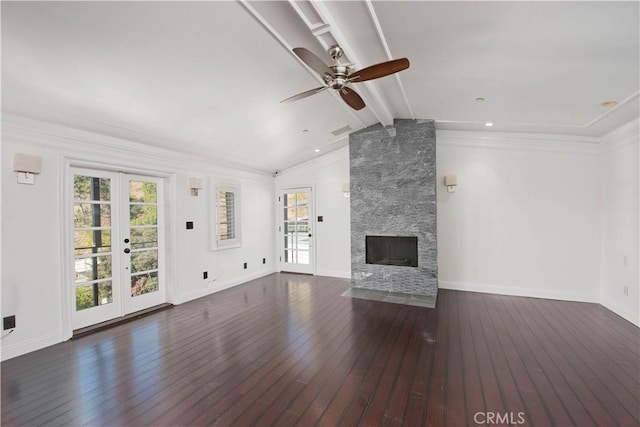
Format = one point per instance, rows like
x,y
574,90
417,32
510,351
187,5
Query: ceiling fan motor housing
x,y
339,79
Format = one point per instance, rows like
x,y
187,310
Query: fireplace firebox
x,y
392,250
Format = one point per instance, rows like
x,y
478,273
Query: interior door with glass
x,y
117,254
296,230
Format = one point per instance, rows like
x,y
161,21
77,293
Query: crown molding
x,y
93,146
519,141
627,134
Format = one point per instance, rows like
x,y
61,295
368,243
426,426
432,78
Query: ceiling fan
x,y
339,76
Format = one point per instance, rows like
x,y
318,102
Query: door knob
x,y
126,240
309,234
127,250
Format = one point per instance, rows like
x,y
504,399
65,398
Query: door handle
x,y
309,234
126,240
127,250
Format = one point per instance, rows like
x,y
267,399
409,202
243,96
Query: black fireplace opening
x,y
392,250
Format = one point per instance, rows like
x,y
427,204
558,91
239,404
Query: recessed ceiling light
x,y
480,99
317,150
609,103
488,124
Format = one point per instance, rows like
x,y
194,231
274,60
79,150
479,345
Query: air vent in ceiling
x,y
343,129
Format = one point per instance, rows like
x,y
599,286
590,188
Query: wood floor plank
x,y
542,372
436,394
491,392
566,360
597,370
288,349
536,411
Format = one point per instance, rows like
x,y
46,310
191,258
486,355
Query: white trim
x,y
520,292
220,286
610,111
385,45
332,273
620,311
24,347
627,134
85,144
66,249
519,141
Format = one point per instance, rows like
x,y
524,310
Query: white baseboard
x,y
330,273
634,318
520,292
15,350
220,286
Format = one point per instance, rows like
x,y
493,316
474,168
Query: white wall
x,y
32,226
525,219
620,216
326,173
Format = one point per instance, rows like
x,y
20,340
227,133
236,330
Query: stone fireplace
x,y
393,209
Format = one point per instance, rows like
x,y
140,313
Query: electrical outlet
x,y
205,275
9,322
264,260
626,291
245,265
189,225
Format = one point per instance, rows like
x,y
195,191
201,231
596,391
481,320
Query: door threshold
x,y
83,332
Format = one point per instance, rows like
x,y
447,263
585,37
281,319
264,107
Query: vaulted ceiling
x,y
208,77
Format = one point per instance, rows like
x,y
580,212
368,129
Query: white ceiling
x,y
208,77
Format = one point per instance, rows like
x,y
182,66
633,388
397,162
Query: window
x,y
227,216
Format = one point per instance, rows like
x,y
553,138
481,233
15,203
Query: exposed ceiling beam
x,y
289,48
323,27
383,40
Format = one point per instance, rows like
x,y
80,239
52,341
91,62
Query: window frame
x,y
216,242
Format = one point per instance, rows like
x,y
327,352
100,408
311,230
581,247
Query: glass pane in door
x,y
92,241
296,227
143,232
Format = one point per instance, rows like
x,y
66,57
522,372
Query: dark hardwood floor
x,y
289,350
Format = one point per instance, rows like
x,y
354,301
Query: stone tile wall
x,y
393,193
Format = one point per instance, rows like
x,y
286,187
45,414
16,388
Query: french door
x,y
296,230
117,245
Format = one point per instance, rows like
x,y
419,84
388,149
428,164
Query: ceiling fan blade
x,y
304,94
379,70
352,98
315,63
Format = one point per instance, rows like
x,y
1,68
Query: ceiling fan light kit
x,y
337,76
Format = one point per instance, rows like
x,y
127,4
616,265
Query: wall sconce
x,y
195,184
346,192
451,181
27,167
